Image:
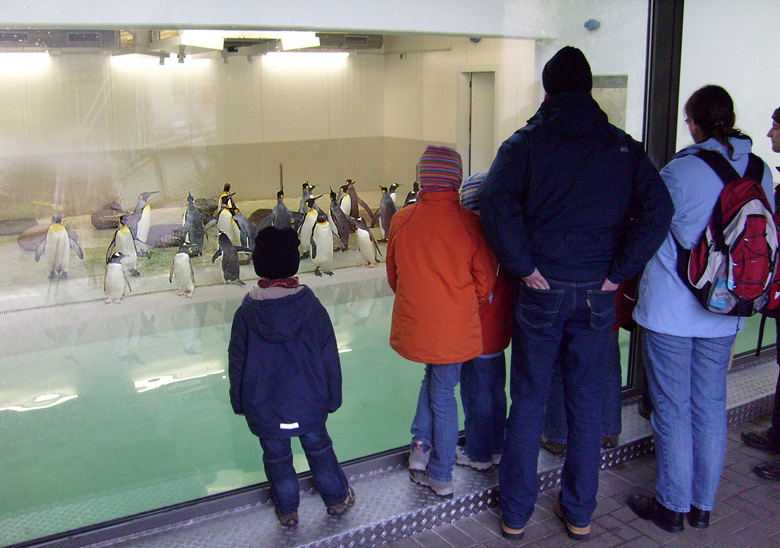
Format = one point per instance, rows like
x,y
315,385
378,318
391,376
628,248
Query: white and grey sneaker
x,y
419,455
440,488
464,460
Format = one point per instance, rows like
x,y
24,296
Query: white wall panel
x,y
239,101
356,97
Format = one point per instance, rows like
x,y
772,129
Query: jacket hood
x,y
742,146
279,320
570,114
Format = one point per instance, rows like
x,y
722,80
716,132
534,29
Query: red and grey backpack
x,y
732,266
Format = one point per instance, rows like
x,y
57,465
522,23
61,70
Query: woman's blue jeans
x,y
436,422
328,477
555,428
483,393
687,381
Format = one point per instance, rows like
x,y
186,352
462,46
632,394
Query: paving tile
x,y
604,540
494,543
474,529
407,542
490,521
455,536
430,539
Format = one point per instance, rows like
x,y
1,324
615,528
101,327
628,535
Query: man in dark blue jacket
x,y
285,375
572,206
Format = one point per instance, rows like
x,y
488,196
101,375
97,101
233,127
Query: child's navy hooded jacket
x,y
284,365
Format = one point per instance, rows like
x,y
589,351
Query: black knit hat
x,y
276,253
776,115
568,70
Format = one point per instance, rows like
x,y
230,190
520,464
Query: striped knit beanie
x,y
469,191
440,168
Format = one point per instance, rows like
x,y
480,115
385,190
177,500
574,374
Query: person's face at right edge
x,y
774,135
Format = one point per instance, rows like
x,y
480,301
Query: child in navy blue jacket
x,y
285,375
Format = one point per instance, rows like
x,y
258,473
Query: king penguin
x,y
124,244
115,284
140,220
181,270
227,224
322,245
411,198
229,255
56,245
339,222
306,189
367,246
345,200
307,226
392,191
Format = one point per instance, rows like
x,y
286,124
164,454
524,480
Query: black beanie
x,y
276,253
568,70
776,115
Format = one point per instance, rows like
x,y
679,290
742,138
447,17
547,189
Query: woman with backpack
x,y
687,347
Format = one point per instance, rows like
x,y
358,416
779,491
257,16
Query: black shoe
x,y
768,470
650,509
762,440
698,518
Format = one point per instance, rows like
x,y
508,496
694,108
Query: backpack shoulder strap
x,y
726,172
719,165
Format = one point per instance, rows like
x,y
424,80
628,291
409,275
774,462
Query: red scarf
x,y
289,283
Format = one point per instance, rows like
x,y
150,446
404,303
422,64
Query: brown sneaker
x,y
340,509
574,532
288,520
553,446
609,442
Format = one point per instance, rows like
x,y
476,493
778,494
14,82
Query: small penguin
x,y
56,245
385,213
411,198
140,220
307,226
194,229
229,255
181,269
115,284
369,250
322,245
339,221
124,244
392,191
306,189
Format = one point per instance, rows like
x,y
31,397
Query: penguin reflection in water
x,y
181,270
56,245
228,253
115,284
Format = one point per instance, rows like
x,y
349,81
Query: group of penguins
x,y
318,231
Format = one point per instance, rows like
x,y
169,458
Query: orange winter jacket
x,y
441,270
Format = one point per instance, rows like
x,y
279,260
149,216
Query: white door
x,y
482,115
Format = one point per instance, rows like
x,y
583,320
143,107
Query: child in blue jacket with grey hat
x,y
285,376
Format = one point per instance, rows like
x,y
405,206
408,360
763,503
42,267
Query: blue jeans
x,y
483,393
328,477
572,319
611,404
687,381
436,421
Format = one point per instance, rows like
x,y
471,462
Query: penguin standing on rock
x,y
181,270
115,283
280,215
322,245
56,245
367,246
229,255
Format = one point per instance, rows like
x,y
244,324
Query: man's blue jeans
x,y
483,393
611,405
436,422
572,319
687,381
328,477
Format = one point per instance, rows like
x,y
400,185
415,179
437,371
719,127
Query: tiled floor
x,y
747,513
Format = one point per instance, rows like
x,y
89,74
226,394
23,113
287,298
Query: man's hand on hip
x,y
609,286
536,280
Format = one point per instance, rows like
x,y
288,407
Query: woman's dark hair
x,y
712,109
